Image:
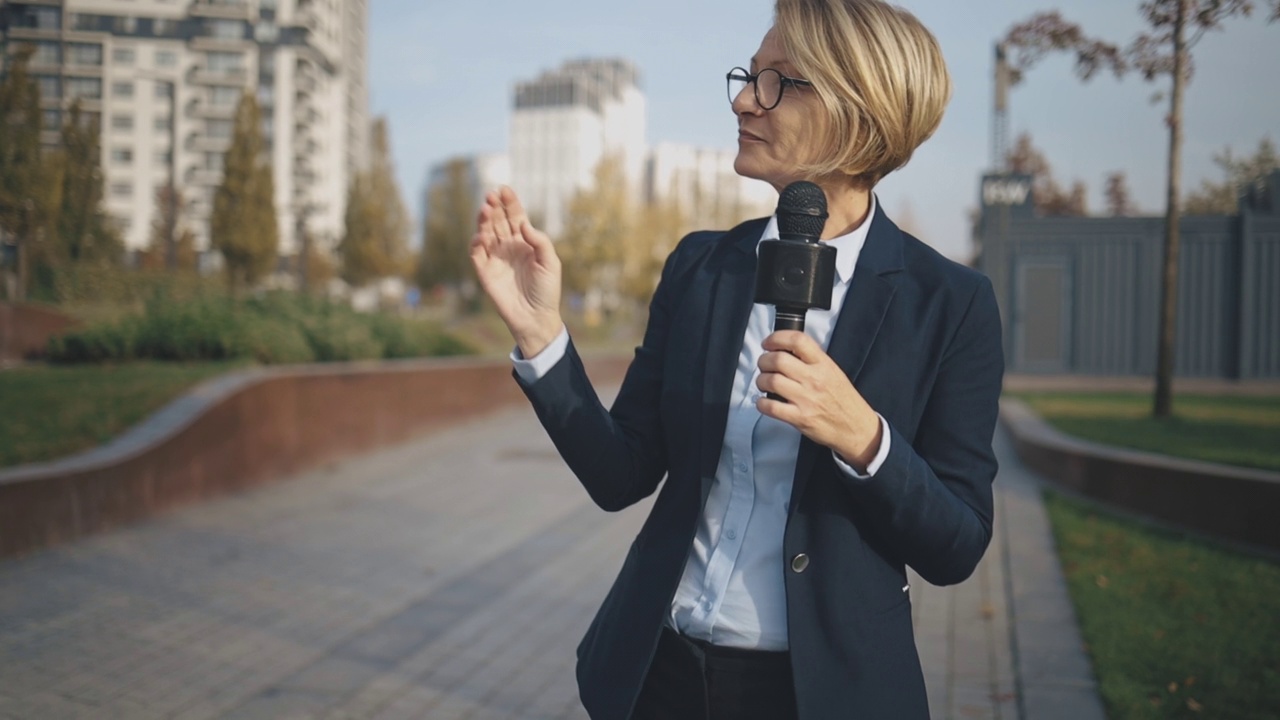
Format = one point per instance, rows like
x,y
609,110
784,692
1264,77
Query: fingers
x,y
497,215
795,342
512,208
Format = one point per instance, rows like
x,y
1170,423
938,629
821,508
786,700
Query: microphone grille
x,y
802,210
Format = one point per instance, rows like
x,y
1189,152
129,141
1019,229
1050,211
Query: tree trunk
x,y
1163,406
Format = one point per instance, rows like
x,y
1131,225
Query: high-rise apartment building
x,y
564,122
163,78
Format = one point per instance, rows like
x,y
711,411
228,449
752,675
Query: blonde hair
x,y
879,75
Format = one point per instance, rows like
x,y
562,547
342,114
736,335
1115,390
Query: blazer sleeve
x,y
931,500
619,454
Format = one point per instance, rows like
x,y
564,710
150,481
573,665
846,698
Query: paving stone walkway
x,y
448,578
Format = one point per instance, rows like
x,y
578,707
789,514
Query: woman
x,y
769,580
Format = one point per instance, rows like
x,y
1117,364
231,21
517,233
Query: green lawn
x,y
48,412
1176,628
1226,429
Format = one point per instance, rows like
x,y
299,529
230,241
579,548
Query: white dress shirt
x,y
732,591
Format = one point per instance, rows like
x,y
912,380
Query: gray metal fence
x,y
1081,295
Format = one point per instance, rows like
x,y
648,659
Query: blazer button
x,y
799,563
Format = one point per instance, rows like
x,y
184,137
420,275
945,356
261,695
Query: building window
x,y
224,96
50,87
51,119
164,90
46,53
122,156
163,157
125,24
214,161
41,18
86,88
223,62
122,89
123,56
121,122
164,123
218,129
122,189
84,54
166,58
225,29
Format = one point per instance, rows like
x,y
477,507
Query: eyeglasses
x,y
769,84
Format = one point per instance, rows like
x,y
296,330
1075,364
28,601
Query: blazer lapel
x,y
733,274
865,305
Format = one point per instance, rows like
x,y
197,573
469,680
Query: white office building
x,y
163,77
564,122
703,184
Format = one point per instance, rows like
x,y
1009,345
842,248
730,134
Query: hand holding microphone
x,y
796,272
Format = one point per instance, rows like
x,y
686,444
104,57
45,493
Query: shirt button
x,y
742,467
731,534
706,605
799,563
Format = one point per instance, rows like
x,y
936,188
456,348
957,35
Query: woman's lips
x,y
748,137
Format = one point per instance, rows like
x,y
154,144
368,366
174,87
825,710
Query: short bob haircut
x,y
879,75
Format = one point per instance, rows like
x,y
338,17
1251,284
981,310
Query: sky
x,y
444,73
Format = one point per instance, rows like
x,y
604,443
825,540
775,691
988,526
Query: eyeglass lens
x,y
768,86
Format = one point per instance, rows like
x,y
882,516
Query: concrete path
x,y
448,578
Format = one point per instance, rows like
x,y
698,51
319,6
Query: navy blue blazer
x,y
920,338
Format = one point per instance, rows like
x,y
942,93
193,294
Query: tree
x,y
598,225
172,244
1175,28
658,226
375,241
1223,198
243,226
30,182
1119,202
84,231
1050,199
447,231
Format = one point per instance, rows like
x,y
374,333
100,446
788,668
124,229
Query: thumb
x,y
543,249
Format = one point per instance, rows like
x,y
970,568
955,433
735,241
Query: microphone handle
x,y
786,318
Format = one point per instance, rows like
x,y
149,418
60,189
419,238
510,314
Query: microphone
x,y
796,272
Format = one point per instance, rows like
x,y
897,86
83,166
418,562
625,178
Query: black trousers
x,y
694,680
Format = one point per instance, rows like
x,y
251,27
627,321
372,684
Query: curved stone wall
x,y
247,428
1232,503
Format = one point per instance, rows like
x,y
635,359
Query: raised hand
x,y
519,270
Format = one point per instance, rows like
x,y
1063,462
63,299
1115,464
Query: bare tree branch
x,y
1049,32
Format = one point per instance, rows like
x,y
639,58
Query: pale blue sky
x,y
443,73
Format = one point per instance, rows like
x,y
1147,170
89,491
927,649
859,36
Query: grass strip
x,y
1177,628
1235,430
49,412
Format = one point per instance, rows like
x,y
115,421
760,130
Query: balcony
x,y
205,43
206,110
203,176
234,76
199,142
229,9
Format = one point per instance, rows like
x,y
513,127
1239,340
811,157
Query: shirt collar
x,y
848,246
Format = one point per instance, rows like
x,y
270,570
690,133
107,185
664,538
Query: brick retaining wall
x,y
246,429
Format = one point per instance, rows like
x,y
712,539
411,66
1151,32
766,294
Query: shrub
x,y
274,328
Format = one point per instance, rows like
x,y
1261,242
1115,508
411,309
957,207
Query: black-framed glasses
x,y
769,85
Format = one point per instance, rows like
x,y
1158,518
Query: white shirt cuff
x,y
532,369
876,461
